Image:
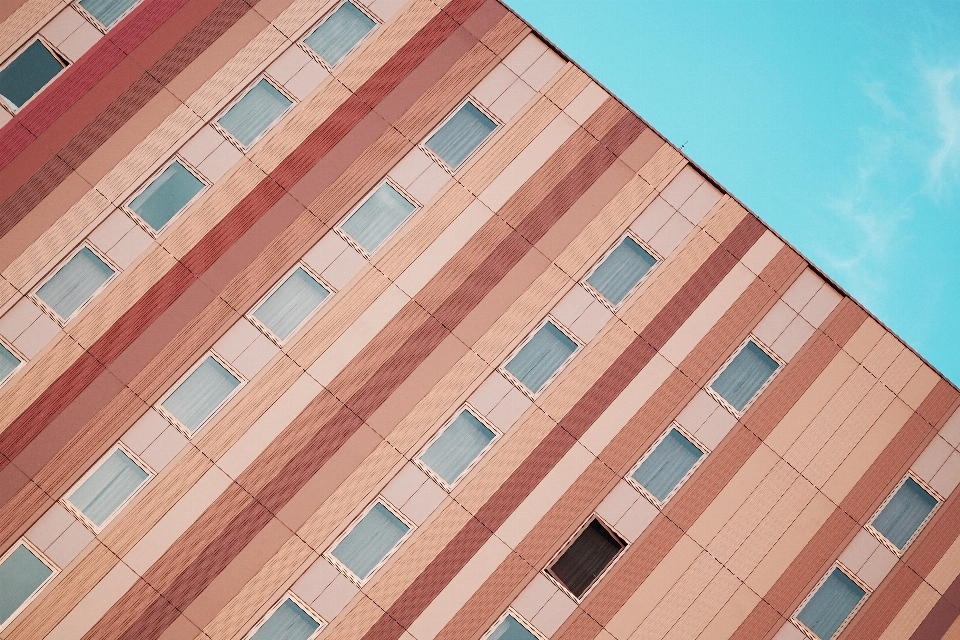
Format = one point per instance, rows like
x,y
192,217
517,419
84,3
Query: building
x,y
323,319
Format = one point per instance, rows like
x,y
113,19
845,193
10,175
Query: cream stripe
x,y
96,603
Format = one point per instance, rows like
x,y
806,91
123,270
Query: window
x,y
289,621
594,549
200,394
462,442
378,217
29,72
904,513
541,357
665,467
167,195
339,33
107,12
460,136
621,270
22,573
510,628
290,304
831,605
370,541
8,362
75,283
255,112
112,483
744,376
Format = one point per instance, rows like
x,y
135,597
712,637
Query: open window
x,y
586,558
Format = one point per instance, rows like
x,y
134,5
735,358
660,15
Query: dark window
x,y
584,560
29,72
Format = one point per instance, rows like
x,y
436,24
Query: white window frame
x,y
16,354
497,434
716,396
47,309
569,542
328,554
240,96
867,591
519,618
326,14
56,53
176,157
55,570
79,515
297,600
882,538
340,231
599,296
103,28
522,387
485,111
173,420
643,490
263,328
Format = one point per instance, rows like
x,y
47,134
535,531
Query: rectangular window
x,y
167,195
461,135
378,217
339,33
8,362
75,283
107,12
664,468
621,270
289,621
510,628
460,443
904,513
371,540
200,395
541,357
255,112
29,72
744,376
22,573
112,483
593,550
290,304
831,605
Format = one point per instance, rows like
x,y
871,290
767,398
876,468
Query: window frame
x,y
46,308
67,62
345,235
75,510
526,624
566,545
357,580
759,392
377,23
448,487
476,103
103,28
16,354
125,207
882,538
300,264
533,395
214,121
54,572
658,259
169,417
643,490
853,577
297,600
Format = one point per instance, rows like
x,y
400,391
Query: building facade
x,y
324,319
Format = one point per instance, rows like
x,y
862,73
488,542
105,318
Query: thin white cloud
x,y
943,86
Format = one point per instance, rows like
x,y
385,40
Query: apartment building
x,y
383,320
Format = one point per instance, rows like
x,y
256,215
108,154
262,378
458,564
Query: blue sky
x,y
838,123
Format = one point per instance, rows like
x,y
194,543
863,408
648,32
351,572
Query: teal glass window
x,y
461,135
904,513
22,574
291,303
745,375
370,541
541,357
511,629
665,467
457,447
106,490
29,72
201,394
255,112
107,12
339,33
8,363
287,622
378,217
166,195
621,270
75,283
831,605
